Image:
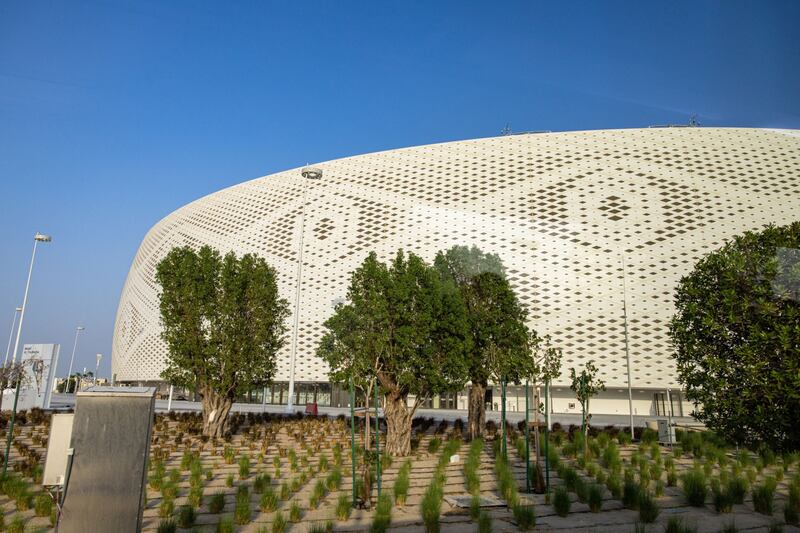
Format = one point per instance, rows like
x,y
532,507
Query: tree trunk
x,y
398,423
215,413
477,409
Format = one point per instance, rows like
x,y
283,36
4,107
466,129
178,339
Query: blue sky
x,y
113,114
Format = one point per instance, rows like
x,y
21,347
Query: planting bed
x,y
277,474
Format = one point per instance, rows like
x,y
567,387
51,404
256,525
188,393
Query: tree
x,y
546,367
10,374
404,325
585,385
223,322
736,333
496,323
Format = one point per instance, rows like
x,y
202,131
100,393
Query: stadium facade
x,y
595,229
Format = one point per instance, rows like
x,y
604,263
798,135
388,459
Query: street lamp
x,y
72,359
309,173
96,367
11,334
36,240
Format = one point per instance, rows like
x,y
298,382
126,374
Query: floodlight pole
x,y
78,329
547,434
503,418
11,334
36,240
627,351
377,440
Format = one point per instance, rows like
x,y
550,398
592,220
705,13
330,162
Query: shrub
x,y
269,501
186,516
167,525
401,484
484,523
43,505
241,510
343,507
694,488
595,498
763,496
525,516
561,501
648,508
217,503
278,523
294,513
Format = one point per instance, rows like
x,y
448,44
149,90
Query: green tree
x,y
585,385
736,334
223,322
496,322
546,367
404,325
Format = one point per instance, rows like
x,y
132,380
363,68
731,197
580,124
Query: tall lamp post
x,y
11,334
97,367
36,240
309,173
72,360
627,351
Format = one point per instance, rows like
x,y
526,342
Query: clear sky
x,y
113,114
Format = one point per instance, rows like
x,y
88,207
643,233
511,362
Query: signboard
x,y
55,464
40,361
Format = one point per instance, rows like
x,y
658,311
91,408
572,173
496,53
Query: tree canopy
x,y
736,334
223,322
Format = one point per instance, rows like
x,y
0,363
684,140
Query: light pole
x,y
11,334
627,352
36,240
313,174
97,367
72,359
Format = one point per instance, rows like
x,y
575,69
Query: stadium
x,y
595,229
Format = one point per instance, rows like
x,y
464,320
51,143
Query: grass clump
x,y
763,497
343,507
244,466
279,523
261,483
648,508
431,506
631,493
294,513
269,501
525,516
402,484
694,488
561,501
594,498
217,503
383,515
241,510
166,508
186,516
43,505
167,525
484,522
471,466
434,444
676,524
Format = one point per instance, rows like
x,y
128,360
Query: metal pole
x,y
290,403
169,400
11,334
78,329
11,429
627,352
353,436
547,434
669,418
503,418
377,440
96,369
527,442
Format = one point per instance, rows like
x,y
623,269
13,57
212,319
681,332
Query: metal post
x,y
669,417
527,442
11,429
377,440
169,400
353,436
627,352
547,434
503,418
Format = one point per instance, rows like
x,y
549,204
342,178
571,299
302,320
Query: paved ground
x,y
565,419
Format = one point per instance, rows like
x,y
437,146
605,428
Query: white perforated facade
x,y
563,210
